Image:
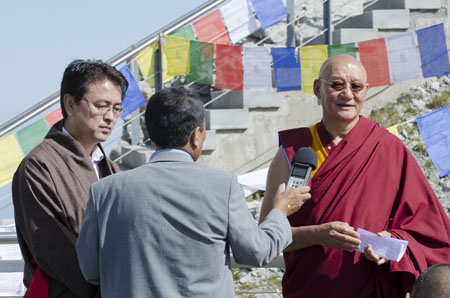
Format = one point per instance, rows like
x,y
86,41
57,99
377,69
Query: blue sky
x,y
40,38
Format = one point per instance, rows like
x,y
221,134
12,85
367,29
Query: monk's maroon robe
x,y
371,181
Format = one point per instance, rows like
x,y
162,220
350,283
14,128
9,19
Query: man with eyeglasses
x,y
366,178
51,186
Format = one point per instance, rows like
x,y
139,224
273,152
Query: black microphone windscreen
x,y
307,156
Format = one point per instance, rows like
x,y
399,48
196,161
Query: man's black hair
x,y
79,74
171,116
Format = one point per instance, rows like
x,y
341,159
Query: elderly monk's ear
x,y
316,88
68,102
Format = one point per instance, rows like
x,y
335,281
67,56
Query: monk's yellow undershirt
x,y
318,147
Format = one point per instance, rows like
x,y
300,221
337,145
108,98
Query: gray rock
x,y
433,85
404,134
446,185
419,103
446,80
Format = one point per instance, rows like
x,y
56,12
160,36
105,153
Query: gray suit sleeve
x,y
88,243
252,244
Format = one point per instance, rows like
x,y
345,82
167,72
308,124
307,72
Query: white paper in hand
x,y
387,248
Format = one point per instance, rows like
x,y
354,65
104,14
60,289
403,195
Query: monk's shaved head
x,y
433,282
342,59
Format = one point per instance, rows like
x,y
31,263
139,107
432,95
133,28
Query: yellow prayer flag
x,y
394,130
311,59
146,63
10,158
176,53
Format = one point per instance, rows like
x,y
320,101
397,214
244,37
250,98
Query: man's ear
x,y
316,88
69,102
196,139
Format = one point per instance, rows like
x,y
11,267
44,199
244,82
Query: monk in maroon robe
x,y
366,178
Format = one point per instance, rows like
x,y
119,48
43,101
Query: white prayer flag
x,y
404,61
239,19
257,69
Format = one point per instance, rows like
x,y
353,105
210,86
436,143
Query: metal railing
x,y
114,61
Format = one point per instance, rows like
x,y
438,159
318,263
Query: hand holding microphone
x,y
290,201
291,197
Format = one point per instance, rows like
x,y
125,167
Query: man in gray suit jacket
x,y
164,229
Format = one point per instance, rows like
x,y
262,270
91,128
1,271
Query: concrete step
x,y
385,19
226,119
405,4
349,35
262,100
239,100
226,100
210,141
141,154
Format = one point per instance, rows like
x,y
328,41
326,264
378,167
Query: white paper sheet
x,y
257,69
255,180
248,190
11,284
239,19
387,248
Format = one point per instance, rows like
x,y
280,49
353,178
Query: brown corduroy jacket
x,y
50,190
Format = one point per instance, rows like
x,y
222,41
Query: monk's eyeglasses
x,y
104,109
339,85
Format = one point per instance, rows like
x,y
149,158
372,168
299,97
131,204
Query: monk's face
x,y
342,88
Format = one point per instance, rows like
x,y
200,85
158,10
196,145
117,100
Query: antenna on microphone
x,y
303,163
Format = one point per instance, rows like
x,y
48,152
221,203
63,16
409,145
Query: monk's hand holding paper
x,y
338,235
289,201
371,255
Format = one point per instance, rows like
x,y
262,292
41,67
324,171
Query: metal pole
x,y
327,22
159,75
290,41
136,123
114,61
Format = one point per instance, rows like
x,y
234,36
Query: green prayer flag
x,y
336,49
186,32
30,136
202,63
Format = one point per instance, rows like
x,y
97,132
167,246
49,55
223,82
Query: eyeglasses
x,y
104,109
339,85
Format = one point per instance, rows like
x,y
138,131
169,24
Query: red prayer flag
x,y
373,55
53,117
229,70
211,29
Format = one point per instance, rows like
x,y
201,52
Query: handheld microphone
x,y
303,163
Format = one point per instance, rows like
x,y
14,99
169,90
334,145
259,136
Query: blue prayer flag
x,y
286,65
433,51
269,12
133,98
435,130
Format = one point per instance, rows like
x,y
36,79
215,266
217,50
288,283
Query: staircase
x,y
381,19
241,127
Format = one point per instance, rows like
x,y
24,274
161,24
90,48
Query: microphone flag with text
x,y
303,164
